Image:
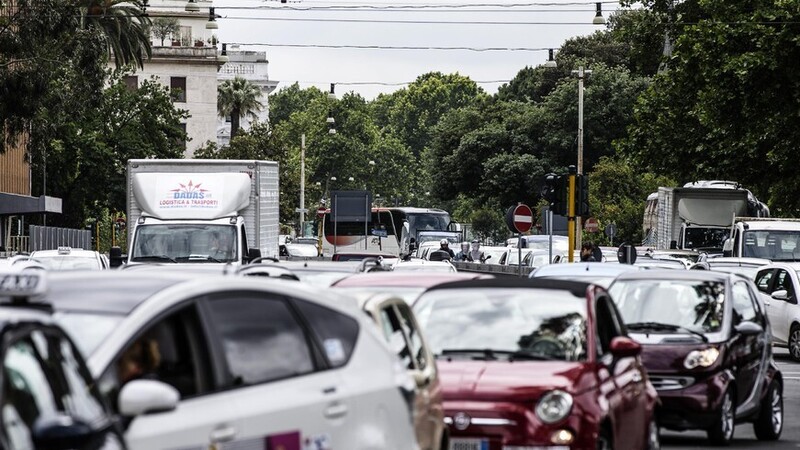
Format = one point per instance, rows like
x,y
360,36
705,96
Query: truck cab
x,y
773,239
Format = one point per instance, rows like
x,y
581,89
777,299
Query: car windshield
x,y
689,304
516,322
185,243
88,330
63,262
772,244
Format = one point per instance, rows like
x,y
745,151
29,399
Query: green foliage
x,y
617,194
125,29
489,225
238,98
727,106
164,27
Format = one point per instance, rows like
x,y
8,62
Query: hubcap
x,y
794,344
777,410
727,417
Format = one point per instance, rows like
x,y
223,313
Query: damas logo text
x,y
189,196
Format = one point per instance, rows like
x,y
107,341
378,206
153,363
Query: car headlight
x,y
554,406
701,358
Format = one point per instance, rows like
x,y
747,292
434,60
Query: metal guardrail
x,y
493,269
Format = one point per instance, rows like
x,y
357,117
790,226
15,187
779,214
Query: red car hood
x,y
503,380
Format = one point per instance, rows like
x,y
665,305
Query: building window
x,y
182,141
177,87
186,36
131,82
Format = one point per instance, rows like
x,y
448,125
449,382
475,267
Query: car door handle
x,y
336,410
329,390
223,433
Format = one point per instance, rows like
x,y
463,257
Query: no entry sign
x,y
519,218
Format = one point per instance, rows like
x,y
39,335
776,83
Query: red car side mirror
x,y
625,347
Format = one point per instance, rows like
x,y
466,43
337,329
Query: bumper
x,y
694,406
508,426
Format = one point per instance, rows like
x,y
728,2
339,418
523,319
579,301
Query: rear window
x,y
336,332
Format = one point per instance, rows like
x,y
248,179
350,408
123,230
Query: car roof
x,y
121,291
320,266
72,252
577,288
691,275
585,268
734,261
405,279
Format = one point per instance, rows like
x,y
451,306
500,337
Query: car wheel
x,y
604,441
653,435
794,342
769,424
721,433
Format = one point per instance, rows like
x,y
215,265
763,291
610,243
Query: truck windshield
x,y
700,237
777,245
185,243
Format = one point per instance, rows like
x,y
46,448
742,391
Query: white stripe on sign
x,y
523,219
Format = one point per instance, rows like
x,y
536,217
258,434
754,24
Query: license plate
x,y
469,444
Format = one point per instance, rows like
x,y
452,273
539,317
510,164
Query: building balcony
x,y
195,55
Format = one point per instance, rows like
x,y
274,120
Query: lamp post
x,y
302,209
582,74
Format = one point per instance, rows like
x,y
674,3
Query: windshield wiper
x,y
489,354
153,258
658,326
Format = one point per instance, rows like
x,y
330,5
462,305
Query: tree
x,y
726,108
238,98
164,27
125,28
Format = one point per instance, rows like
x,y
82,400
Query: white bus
x,y
390,230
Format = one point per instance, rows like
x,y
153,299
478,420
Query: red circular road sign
x,y
591,226
522,218
321,211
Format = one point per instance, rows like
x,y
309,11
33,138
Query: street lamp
x,y
551,62
582,75
212,20
192,6
598,16
330,120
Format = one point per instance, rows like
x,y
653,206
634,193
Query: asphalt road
x,y
744,436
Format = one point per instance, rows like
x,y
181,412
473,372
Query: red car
x,y
537,364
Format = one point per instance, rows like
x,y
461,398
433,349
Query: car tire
x,y
769,423
794,343
653,435
721,433
604,440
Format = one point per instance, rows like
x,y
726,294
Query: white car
x,y
67,258
424,265
780,285
233,362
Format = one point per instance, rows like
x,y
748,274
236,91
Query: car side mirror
x,y
624,347
727,248
782,294
748,328
140,397
115,258
61,432
421,378
253,254
487,258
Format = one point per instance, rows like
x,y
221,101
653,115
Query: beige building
x,y
252,66
188,64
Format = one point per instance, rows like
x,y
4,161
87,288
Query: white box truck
x,y
201,211
697,216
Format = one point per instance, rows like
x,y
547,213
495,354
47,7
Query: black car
x,y
49,400
706,345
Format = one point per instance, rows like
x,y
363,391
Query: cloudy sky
x,y
539,25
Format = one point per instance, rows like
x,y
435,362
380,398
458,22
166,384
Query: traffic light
x,y
560,204
549,189
582,195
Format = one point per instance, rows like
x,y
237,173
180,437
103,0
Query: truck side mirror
x,y
727,248
253,253
115,258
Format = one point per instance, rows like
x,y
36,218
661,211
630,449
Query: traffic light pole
x,y
571,215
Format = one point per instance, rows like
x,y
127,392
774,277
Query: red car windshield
x,y
513,323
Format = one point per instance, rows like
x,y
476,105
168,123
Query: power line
x,y
382,83
412,22
393,47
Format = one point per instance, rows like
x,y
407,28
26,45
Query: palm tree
x,y
237,98
124,25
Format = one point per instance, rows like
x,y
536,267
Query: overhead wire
x,y
392,47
